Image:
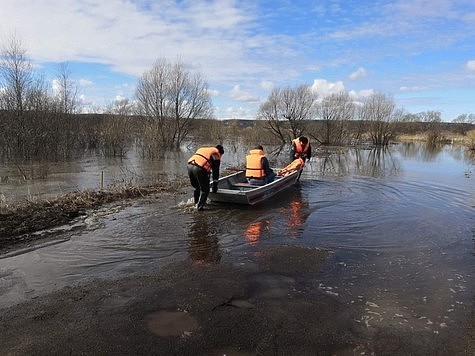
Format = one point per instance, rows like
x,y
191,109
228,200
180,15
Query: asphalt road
x,y
266,307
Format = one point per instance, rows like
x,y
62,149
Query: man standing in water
x,y
200,165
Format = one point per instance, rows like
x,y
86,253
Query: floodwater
x,y
400,224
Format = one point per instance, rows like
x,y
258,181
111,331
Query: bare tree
x,y
270,113
464,122
190,100
66,90
121,107
379,111
37,97
286,110
432,120
16,75
335,111
170,97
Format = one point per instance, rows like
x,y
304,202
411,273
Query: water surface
x,y
400,224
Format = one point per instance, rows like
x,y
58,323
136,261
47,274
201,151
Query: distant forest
x,y
56,136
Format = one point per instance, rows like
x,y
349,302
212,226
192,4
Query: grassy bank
x,y
19,223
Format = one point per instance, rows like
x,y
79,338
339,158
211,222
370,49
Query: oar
x,y
300,173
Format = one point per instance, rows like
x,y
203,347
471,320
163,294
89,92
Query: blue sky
x,y
420,52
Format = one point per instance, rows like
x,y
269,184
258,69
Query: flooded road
x,y
400,225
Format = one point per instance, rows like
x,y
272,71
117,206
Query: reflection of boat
x,y
254,231
297,217
235,189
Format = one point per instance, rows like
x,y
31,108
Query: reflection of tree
x,y
204,243
431,151
409,149
374,162
380,161
334,162
428,152
470,156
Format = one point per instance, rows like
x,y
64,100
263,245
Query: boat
x,y
235,189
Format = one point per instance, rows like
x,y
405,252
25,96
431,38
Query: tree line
x,y
172,106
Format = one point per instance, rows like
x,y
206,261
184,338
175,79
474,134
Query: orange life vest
x,y
202,157
294,165
300,150
254,167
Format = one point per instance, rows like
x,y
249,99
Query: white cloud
x,y
84,101
360,72
471,65
412,88
214,93
128,38
238,94
55,86
216,15
267,85
324,88
425,8
233,112
358,95
85,83
119,98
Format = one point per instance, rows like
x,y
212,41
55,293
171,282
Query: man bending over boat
x,y
258,171
200,165
300,148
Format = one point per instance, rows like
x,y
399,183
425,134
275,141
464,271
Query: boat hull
x,y
234,189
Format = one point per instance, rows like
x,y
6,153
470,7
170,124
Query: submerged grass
x,y
18,224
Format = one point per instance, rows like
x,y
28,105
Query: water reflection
x,y
470,156
254,231
378,162
203,239
285,219
374,162
425,152
431,151
297,217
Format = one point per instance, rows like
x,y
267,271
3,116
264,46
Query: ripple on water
x,y
370,213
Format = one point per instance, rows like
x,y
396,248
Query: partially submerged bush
x,y
471,139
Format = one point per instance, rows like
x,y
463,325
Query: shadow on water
x,y
204,240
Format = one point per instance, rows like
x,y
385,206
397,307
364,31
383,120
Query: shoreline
x,y
22,225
